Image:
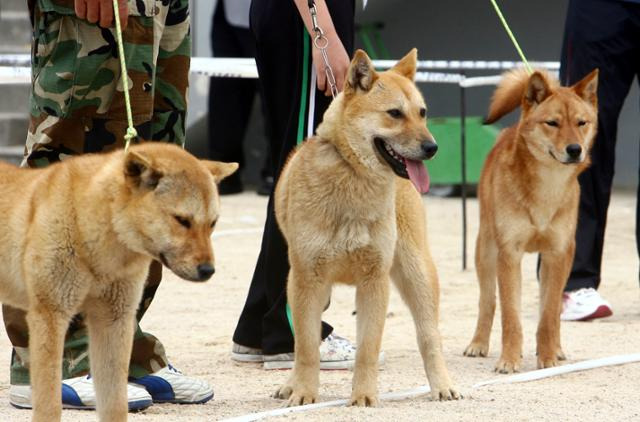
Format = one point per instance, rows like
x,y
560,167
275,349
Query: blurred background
x,y
441,30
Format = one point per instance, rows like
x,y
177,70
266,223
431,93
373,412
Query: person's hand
x,y
101,11
338,59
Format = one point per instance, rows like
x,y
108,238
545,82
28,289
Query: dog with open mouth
x,y
348,203
529,196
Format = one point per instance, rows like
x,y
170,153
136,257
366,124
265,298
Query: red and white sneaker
x,y
584,305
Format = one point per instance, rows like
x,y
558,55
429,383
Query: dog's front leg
x,y
47,328
509,284
554,271
307,297
417,281
372,298
111,323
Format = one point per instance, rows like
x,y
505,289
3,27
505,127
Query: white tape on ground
x,y
401,395
564,369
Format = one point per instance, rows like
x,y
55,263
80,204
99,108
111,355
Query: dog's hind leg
x,y
554,271
486,255
47,327
372,298
307,296
111,328
417,281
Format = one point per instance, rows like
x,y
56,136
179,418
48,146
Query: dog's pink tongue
x,y
418,175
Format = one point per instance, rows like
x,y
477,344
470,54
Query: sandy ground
x,y
196,322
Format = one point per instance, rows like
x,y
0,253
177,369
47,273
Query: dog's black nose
x,y
429,148
205,271
574,150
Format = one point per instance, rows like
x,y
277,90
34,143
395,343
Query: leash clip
x,y
321,42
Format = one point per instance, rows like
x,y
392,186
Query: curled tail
x,y
513,87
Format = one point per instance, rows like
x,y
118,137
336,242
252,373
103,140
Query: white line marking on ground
x,y
401,395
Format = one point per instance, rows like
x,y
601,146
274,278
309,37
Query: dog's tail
x,y
511,90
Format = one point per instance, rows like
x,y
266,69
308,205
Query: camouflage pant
x,y
77,106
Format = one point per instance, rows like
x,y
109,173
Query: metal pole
x,y
463,171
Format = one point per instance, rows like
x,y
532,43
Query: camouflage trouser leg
x,y
77,106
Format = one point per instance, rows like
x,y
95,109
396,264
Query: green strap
x,y
131,131
513,38
304,89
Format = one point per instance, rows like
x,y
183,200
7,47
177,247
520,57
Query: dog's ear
x,y
537,89
406,66
587,88
220,170
139,170
361,74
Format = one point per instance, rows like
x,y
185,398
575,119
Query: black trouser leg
x,y
283,65
598,34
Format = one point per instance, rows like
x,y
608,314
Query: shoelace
x,y
173,369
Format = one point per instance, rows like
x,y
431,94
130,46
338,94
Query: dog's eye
x,y
213,224
581,123
551,123
184,222
395,113
423,112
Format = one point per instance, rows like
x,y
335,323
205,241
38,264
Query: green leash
x,y
513,38
131,131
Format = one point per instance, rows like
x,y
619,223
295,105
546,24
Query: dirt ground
x,y
196,322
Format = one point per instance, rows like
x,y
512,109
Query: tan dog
x,y
528,203
348,218
79,236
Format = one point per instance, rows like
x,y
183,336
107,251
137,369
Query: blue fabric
x,y
70,397
159,388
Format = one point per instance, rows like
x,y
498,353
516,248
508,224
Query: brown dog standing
x,y
529,196
79,236
348,218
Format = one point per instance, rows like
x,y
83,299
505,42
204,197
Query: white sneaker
x,y
584,305
241,353
168,385
335,353
78,393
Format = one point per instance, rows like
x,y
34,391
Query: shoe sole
x,y
245,357
134,406
199,401
342,365
603,311
339,365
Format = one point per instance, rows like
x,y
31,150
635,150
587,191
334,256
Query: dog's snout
x,y
429,148
574,150
205,271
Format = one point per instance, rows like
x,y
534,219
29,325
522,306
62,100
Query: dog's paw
x,y
560,355
295,397
507,366
446,393
283,392
364,400
477,349
547,363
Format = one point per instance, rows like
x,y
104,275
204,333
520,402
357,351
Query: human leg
x,y
597,36
284,64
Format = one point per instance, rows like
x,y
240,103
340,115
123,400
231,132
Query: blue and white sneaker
x,y
78,393
168,385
